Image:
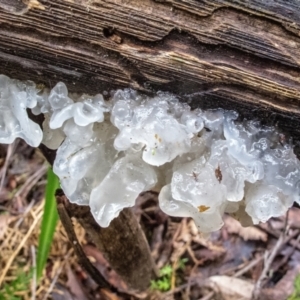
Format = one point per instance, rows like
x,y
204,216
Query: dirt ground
x,y
232,263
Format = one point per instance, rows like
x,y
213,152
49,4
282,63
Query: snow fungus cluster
x,y
204,163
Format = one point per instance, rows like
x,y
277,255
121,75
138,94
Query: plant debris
x,y
233,263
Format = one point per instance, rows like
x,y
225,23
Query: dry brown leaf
x,y
181,240
74,286
103,266
205,254
203,239
60,292
284,288
294,217
231,288
247,233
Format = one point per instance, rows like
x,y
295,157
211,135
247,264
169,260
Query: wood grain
x,y
123,244
231,54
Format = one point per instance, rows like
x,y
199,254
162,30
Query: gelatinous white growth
x,y
52,138
264,200
86,111
206,218
151,124
84,159
196,183
15,98
108,152
128,177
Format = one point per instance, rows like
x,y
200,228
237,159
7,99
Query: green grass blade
x,y
49,222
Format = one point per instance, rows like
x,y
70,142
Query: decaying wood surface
x,y
215,53
132,263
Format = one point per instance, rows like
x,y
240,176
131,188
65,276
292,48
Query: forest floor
x,y
231,263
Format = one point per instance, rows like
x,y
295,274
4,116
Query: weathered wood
x,y
62,202
131,263
233,54
122,243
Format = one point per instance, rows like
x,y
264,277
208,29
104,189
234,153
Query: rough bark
x,y
122,243
214,53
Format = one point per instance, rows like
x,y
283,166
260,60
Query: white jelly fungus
x,y
15,98
108,152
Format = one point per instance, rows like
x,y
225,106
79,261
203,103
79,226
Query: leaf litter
x,y
234,263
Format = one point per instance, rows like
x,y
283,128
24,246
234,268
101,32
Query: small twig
x,y
33,284
181,287
12,212
267,265
208,296
287,257
269,258
83,260
173,276
10,150
248,267
193,257
290,241
31,181
58,271
15,228
20,246
196,265
53,283
27,210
